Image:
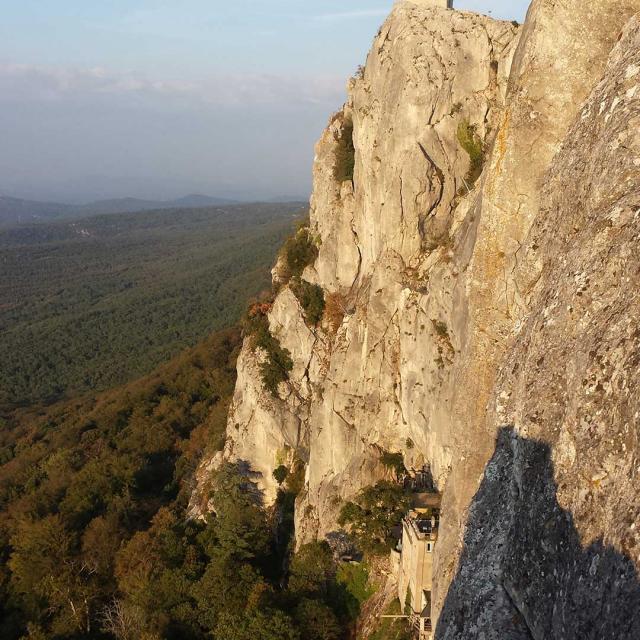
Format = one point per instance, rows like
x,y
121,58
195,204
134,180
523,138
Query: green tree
x,y
311,299
239,527
317,621
299,252
268,624
53,584
226,586
278,363
312,569
100,544
376,511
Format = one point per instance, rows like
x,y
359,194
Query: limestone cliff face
x,y
552,543
470,307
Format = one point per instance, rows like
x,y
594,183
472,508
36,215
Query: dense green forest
x,y
91,303
94,538
81,479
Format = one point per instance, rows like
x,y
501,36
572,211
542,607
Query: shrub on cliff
x,y
311,299
334,310
275,369
344,153
471,142
280,474
278,363
393,461
299,251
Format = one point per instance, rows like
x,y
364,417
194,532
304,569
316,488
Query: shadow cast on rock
x,y
523,572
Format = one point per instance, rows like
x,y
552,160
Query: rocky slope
x,y
471,306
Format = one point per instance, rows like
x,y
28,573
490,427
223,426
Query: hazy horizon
x,y
154,100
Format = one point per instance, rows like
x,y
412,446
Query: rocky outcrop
x,y
561,55
552,540
469,301
385,245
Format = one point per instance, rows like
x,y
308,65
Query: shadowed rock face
x,y
524,572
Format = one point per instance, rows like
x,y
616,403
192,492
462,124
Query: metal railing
x,y
422,626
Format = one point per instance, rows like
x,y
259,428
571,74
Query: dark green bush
x,y
311,299
299,251
393,461
275,369
280,473
312,570
345,153
318,620
374,514
471,142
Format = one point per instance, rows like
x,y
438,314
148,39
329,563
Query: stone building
x,y
415,562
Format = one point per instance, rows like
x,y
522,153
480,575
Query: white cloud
x,y
35,82
20,82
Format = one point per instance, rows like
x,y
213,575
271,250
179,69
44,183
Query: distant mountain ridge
x,y
17,210
131,205
13,210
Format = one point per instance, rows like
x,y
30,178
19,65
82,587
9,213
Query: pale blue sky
x,y
156,98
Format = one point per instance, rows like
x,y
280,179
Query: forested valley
x,y
91,303
97,538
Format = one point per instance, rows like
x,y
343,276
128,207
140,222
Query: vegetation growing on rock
x,y
444,345
280,473
277,364
311,299
299,251
345,153
471,142
375,512
394,461
334,310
